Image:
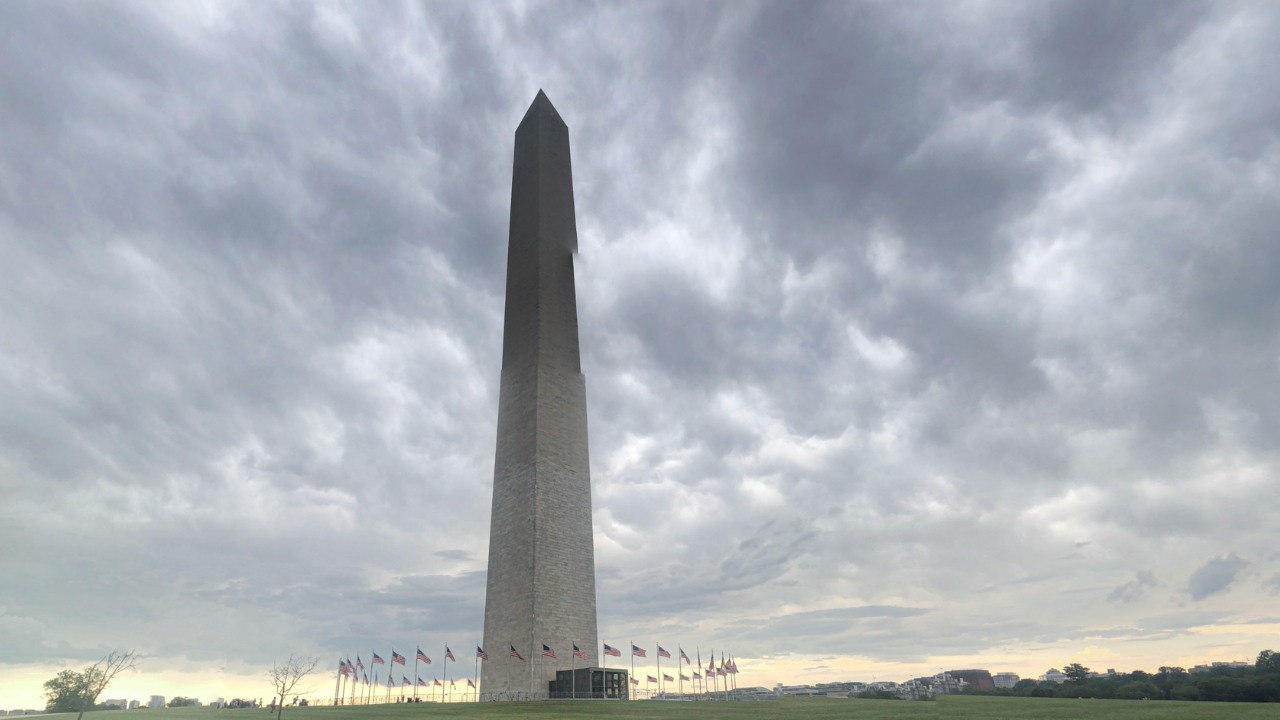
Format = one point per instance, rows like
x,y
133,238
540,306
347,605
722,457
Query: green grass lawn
x,y
947,708
998,708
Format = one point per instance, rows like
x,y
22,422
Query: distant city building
x,y
122,704
133,704
977,679
157,701
1053,675
1005,679
882,685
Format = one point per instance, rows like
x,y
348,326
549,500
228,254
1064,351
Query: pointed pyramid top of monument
x,y
541,104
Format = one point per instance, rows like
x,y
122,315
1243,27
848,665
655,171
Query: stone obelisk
x,y
542,578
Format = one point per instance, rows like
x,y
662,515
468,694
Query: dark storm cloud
x,y
949,312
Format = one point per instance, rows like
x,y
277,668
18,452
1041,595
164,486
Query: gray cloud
x,y
880,308
1215,576
1272,584
1134,589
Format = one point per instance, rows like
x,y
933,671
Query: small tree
x,y
72,691
62,692
286,676
1076,672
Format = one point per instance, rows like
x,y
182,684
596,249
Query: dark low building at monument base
x,y
589,683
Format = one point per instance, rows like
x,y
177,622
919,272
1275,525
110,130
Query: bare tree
x,y
286,676
95,678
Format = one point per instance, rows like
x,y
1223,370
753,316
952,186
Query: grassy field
x,y
947,708
997,708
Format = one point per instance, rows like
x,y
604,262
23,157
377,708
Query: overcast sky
x,y
915,335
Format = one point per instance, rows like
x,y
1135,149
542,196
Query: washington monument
x,y
542,577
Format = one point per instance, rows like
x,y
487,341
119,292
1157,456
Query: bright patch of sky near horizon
x,y
915,335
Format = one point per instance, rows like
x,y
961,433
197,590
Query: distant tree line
x,y
1260,683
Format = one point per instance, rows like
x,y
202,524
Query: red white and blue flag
x,y
719,671
651,678
452,683
391,682
668,678
579,653
683,656
423,657
663,653
697,675
448,654
366,679
436,682
515,654
683,676
397,657
635,681
422,683
342,667
470,684
480,653
733,668
548,652
405,681
638,652
376,660
358,663
609,650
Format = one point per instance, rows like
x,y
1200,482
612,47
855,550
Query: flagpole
x,y
633,667
475,683
573,676
337,683
353,680
680,677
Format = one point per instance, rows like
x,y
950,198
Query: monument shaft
x,y
541,582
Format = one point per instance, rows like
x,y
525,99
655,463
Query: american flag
x,y
480,653
668,678
515,654
733,668
405,681
448,654
366,679
436,682
720,671
376,660
651,678
696,675
397,657
359,664
663,653
635,681
451,683
615,652
390,681
423,657
548,652
685,677
579,653
684,657
470,684
422,683
342,667
638,652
